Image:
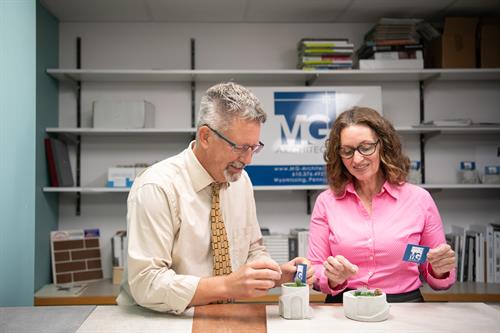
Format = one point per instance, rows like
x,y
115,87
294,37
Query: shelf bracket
x,y
312,80
431,78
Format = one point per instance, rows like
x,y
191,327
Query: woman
x,y
361,225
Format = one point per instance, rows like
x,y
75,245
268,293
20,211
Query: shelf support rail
x,y
78,125
422,136
193,86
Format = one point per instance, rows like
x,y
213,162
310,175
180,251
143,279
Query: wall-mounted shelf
x,y
86,189
147,131
119,131
96,190
474,129
263,76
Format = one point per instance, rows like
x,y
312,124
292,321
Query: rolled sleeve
x,y
172,293
433,236
440,283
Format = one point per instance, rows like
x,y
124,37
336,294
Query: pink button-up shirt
x,y
376,243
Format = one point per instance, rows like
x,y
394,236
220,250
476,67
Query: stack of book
x,y
392,44
325,54
477,252
119,245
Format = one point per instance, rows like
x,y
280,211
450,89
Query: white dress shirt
x,y
169,232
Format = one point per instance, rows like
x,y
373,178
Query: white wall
x,y
250,46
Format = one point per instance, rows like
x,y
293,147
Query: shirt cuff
x,y
440,283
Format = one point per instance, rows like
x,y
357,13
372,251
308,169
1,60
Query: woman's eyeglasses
x,y
365,149
238,149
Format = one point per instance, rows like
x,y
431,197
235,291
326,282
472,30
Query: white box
x,y
120,177
123,114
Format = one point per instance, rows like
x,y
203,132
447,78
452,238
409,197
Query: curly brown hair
x,y
395,164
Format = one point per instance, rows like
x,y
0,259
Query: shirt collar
x,y
391,189
198,174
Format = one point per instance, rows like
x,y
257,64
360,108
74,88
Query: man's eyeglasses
x,y
365,149
238,149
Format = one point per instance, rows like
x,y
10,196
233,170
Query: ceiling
x,y
262,11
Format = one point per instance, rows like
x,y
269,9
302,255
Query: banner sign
x,y
298,123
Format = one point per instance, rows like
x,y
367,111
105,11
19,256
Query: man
x,y
193,233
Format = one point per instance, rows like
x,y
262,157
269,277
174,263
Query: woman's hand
x,y
338,269
442,260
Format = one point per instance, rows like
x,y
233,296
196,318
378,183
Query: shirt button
x,y
371,257
370,273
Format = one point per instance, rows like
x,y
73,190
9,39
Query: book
x,y
51,164
458,233
119,248
325,67
292,247
487,239
326,51
324,43
56,152
496,255
396,55
326,62
327,57
391,64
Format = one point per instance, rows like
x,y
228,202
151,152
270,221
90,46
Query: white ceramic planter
x,y
294,302
365,308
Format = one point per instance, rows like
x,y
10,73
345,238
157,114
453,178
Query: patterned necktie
x,y
220,244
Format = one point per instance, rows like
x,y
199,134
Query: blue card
x,y
416,253
301,273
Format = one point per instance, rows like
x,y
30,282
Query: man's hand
x,y
441,259
338,269
252,280
288,271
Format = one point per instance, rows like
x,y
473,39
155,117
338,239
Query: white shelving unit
x,y
270,76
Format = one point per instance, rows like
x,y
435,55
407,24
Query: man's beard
x,y
232,177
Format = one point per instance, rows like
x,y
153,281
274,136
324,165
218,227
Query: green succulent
x,y
298,282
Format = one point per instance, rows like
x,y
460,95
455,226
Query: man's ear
x,y
204,136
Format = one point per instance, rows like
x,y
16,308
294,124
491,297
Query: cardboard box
x,y
123,114
456,48
490,45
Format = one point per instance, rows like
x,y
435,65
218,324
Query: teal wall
x,y
47,92
17,151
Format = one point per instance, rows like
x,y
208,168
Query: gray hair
x,y
225,102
